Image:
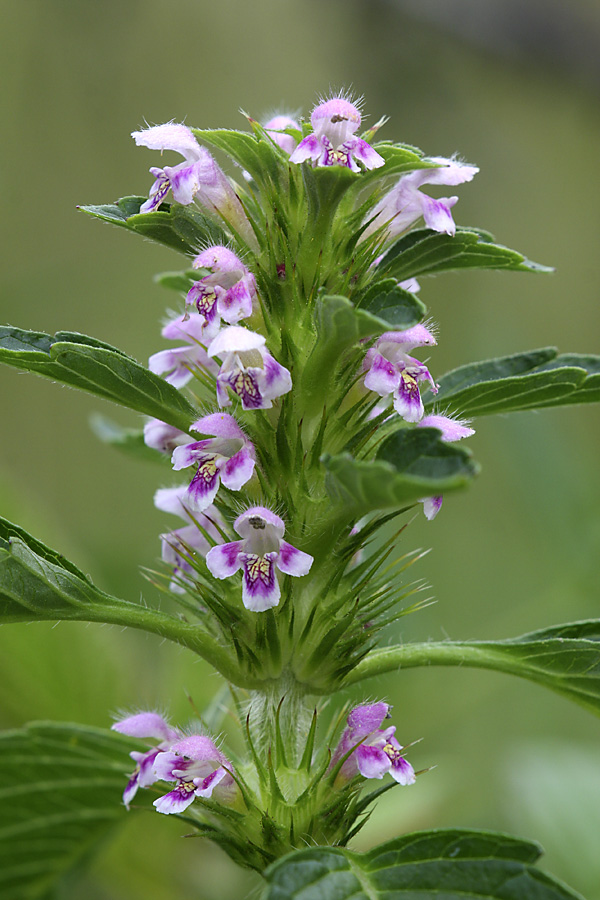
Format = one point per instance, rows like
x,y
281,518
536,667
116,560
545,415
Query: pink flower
x,y
376,752
333,141
261,550
393,371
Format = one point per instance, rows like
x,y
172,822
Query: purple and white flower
x,y
392,371
197,177
334,142
199,769
227,293
375,751
178,546
247,369
145,725
404,204
261,550
227,457
452,430
160,436
177,365
275,129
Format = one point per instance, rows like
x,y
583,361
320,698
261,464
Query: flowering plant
x,y
294,408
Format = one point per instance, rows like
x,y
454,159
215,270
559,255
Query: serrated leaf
x,y
183,228
531,380
60,793
38,584
427,252
411,464
400,309
128,440
564,658
98,368
445,864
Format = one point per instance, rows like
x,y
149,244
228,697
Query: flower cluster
x,y
193,762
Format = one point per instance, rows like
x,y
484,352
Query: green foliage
x,y
60,794
98,368
531,380
444,864
426,252
410,465
398,308
564,658
38,584
183,228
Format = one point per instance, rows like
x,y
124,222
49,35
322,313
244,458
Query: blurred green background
x,y
513,88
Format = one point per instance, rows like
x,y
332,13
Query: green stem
x,y
431,654
295,716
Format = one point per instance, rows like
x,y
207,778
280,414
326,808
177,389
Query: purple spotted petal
x,y
236,302
185,181
238,469
407,398
293,561
372,762
224,559
402,771
277,380
437,213
205,786
205,483
260,588
246,384
365,154
383,376
177,800
189,454
308,148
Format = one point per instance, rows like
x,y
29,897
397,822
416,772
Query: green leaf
x,y
564,658
446,864
60,793
38,584
400,309
183,228
177,281
128,440
258,155
411,464
98,368
531,380
426,252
